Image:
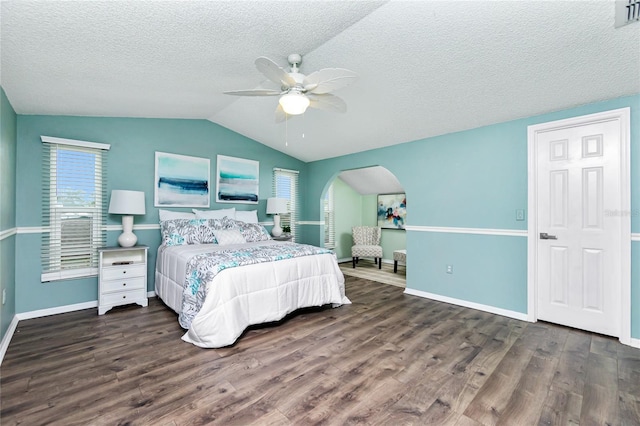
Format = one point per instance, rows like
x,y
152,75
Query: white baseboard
x,y
64,309
464,303
634,343
57,310
4,345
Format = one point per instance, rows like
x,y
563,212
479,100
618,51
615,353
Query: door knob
x,y
545,236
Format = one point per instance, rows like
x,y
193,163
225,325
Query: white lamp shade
x,y
277,205
127,202
294,103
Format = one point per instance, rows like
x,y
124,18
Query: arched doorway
x,y
351,198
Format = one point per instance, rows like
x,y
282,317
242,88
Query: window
x,y
73,207
285,185
329,220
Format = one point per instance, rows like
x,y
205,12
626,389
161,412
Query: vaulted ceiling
x,y
425,67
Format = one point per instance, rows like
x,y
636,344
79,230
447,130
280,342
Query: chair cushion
x,y
366,251
400,255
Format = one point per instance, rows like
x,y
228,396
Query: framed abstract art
x,y
181,181
238,180
392,211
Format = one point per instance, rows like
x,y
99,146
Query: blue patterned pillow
x,y
252,232
178,232
228,223
207,230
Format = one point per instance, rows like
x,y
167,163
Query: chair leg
x,y
379,263
354,262
395,266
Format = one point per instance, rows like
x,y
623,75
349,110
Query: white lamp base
x,y
276,231
127,238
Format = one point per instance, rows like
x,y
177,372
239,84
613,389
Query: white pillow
x,y
169,215
250,216
215,214
229,236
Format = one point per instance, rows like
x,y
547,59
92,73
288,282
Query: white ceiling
x,y
425,67
372,180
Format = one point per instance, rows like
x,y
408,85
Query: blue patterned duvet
x,y
202,268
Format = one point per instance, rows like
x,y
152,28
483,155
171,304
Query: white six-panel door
x,y
579,222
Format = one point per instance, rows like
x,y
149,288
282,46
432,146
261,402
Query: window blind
x,y
626,12
285,185
329,220
74,207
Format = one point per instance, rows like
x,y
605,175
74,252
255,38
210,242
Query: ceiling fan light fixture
x,y
294,103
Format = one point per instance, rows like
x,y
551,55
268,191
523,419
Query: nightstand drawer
x,y
122,277
123,271
123,297
123,284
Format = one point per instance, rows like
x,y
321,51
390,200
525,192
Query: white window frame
x,y
55,216
329,219
290,218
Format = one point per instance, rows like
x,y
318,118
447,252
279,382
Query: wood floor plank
x,y
600,403
526,402
488,405
389,358
571,371
629,409
561,407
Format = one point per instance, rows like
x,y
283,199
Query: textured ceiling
x,y
372,180
425,68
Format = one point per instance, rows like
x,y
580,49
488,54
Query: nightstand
x,y
122,277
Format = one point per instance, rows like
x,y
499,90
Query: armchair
x,y
366,243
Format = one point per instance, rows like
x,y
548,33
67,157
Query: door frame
x,y
622,115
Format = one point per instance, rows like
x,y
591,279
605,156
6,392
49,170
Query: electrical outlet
x,y
449,269
520,214
4,296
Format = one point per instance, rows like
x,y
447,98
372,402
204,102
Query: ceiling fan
x,y
297,91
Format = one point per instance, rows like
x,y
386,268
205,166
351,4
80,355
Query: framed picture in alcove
x,y
392,211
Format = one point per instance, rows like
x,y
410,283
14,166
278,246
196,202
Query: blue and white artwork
x,y
181,181
237,180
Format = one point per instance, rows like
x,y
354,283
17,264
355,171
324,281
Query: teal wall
x,y
473,179
470,179
353,209
390,239
8,144
369,210
348,213
131,166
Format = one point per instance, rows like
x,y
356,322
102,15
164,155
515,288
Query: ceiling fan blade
x,y
274,73
328,79
327,102
280,114
259,92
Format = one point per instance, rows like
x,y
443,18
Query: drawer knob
x,y
124,272
124,284
124,297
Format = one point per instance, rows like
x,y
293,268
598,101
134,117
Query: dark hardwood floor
x,y
389,358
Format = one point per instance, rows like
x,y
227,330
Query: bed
x,y
220,285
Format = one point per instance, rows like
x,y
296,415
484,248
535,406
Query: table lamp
x,y
276,206
127,203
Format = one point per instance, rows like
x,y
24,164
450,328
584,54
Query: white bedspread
x,y
247,295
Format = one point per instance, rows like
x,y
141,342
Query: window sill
x,y
69,275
